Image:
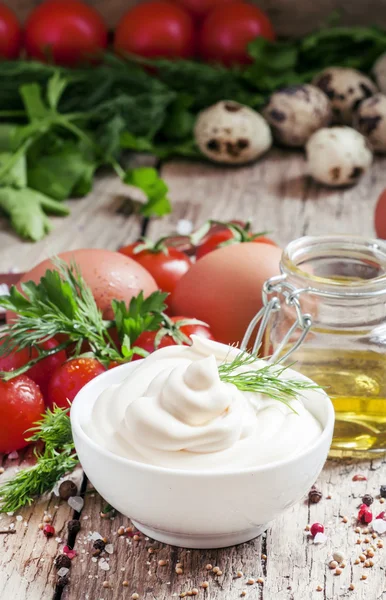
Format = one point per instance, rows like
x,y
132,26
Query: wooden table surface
x,y
277,196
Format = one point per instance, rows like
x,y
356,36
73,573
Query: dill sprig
x,y
268,380
57,459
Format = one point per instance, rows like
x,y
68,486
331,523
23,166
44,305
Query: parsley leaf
x,y
154,188
142,314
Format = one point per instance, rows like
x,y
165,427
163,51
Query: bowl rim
x,y
76,425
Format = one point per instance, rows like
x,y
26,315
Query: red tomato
x,y
380,216
194,329
234,236
69,378
200,8
166,265
227,31
157,29
21,405
172,335
41,372
10,33
66,32
15,360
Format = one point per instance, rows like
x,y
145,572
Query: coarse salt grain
x,y
184,227
104,565
76,502
63,571
19,518
320,538
109,548
379,526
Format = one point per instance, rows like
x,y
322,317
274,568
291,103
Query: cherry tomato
x,y
15,360
227,31
66,32
166,265
172,335
69,378
158,29
200,8
10,33
232,233
380,216
21,405
41,372
194,328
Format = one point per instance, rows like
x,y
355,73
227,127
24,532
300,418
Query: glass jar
x,y
328,312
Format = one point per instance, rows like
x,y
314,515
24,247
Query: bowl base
x,y
184,540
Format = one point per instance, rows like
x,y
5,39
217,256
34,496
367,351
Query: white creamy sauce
x,y
174,411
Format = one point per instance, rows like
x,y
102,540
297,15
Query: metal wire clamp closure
x,y
277,290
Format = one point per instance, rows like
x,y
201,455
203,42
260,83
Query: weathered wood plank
x,y
26,557
294,567
274,193
96,221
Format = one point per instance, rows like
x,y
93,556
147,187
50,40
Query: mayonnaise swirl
x,y
173,410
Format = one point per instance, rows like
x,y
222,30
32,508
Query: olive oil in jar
x,y
356,384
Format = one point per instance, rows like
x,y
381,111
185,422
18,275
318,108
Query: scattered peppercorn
x,y
209,567
260,580
162,563
135,596
67,489
73,526
243,593
219,573
250,581
62,561
99,545
105,584
136,538
314,495
179,571
319,588
62,581
365,515
316,528
48,531
194,592
367,499
345,520
239,574
351,586
382,491
333,564
121,531
338,571
205,584
125,583
338,556
364,577
47,519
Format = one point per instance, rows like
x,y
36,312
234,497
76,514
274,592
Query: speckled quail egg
x,y
346,88
338,156
229,132
294,113
370,120
379,72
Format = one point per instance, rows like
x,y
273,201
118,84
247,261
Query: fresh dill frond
x,y
54,429
56,459
35,481
268,380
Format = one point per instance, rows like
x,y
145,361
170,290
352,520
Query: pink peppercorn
x,y
381,515
69,552
49,531
365,515
316,528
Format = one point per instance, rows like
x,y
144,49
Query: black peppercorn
x,y
314,495
367,499
99,545
382,491
62,561
73,526
67,489
62,581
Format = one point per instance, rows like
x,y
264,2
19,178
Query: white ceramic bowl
x,y
197,509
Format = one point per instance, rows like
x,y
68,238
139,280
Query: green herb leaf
x,y
142,314
154,188
267,380
57,459
26,209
